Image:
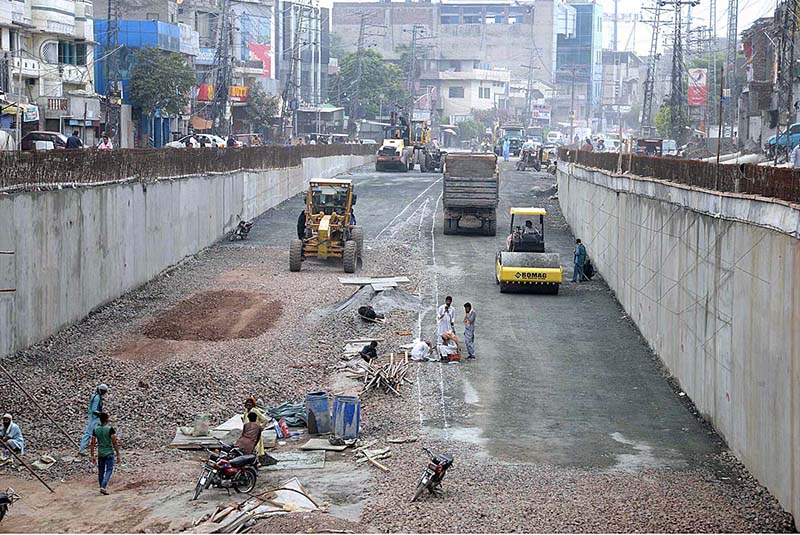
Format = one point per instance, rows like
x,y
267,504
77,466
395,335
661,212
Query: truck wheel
x,y
450,226
490,227
350,256
411,164
357,235
295,255
423,165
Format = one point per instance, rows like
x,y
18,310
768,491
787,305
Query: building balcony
x,y
30,68
74,74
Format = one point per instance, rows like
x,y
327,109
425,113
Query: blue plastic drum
x,y
318,413
346,417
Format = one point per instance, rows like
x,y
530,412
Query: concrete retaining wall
x,y
713,283
64,253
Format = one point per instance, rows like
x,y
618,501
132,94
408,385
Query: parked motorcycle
x,y
433,474
229,468
241,231
6,499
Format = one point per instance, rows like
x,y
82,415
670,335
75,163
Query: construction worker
x,y
261,418
93,416
579,259
444,317
12,437
469,330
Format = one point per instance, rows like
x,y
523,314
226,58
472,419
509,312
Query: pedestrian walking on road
x,y
444,317
93,416
105,438
506,149
795,156
105,143
579,259
469,330
74,141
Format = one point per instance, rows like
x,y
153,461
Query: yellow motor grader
x,y
327,227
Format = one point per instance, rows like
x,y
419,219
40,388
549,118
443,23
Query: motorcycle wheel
x,y
246,481
420,489
202,483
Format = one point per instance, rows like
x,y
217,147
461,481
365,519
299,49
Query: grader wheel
x,y
357,235
295,255
350,256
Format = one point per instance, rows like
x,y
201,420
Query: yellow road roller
x,y
525,265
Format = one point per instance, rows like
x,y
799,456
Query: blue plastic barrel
x,y
318,413
346,417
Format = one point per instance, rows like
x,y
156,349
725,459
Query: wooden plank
x,y
363,281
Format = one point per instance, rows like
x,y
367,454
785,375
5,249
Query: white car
x,y
209,140
554,136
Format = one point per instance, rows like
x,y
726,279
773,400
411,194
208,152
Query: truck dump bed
x,y
470,180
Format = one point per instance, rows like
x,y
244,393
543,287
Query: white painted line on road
x,y
436,303
406,208
400,226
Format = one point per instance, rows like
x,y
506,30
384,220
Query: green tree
x,y
382,85
261,107
405,59
664,118
470,129
160,81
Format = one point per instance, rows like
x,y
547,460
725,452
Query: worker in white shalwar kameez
x,y
444,317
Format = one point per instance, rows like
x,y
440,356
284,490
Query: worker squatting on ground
x,y
369,351
579,259
12,437
469,330
105,438
251,434
250,407
421,350
93,416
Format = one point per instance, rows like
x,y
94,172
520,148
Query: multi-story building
x,y
621,89
758,116
460,86
133,35
579,63
504,34
48,48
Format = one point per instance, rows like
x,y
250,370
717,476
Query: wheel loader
x,y
525,264
327,227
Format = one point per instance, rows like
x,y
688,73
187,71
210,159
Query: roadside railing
x,y
39,169
778,182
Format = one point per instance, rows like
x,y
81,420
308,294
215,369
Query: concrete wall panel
x,y
713,283
77,249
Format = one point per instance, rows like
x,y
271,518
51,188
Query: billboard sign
x,y
698,87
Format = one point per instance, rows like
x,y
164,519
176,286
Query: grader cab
x,y
327,227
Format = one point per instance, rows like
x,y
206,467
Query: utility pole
x,y
733,107
677,99
355,101
650,77
412,71
572,69
289,93
786,73
615,43
529,90
712,61
111,65
222,82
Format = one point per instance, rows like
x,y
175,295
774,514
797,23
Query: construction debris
x,y
322,444
388,376
290,497
401,440
373,456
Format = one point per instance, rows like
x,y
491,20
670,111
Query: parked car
x,y
58,139
775,142
554,136
366,141
194,141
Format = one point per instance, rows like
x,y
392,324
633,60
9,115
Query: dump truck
x,y
471,187
525,264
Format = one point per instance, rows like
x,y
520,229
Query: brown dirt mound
x,y
216,315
